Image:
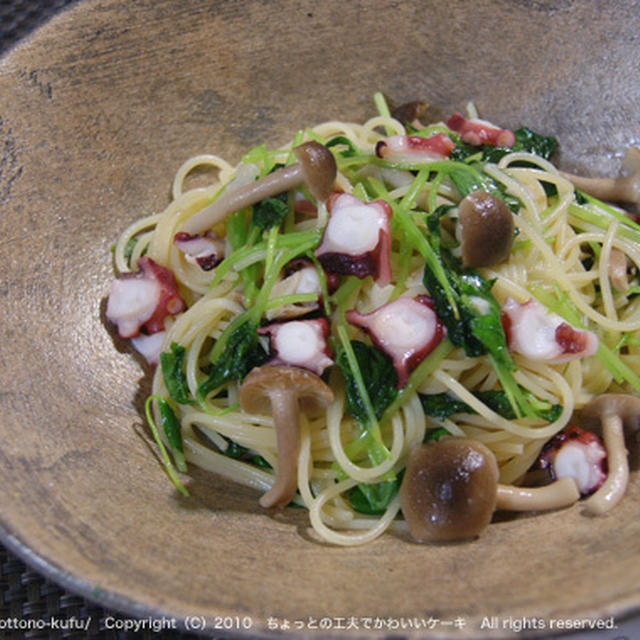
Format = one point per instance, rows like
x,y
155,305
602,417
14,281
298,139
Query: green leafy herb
x,y
379,378
241,353
166,460
477,326
442,405
172,366
172,430
435,434
270,212
349,152
238,452
373,499
526,140
467,182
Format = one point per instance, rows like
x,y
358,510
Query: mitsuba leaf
x,y
349,152
442,405
242,353
477,327
467,182
475,323
172,366
528,140
379,377
433,435
373,499
238,452
270,212
172,429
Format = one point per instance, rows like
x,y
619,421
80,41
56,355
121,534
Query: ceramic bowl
x,y
98,108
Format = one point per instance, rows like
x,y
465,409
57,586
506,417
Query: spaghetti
x,y
349,467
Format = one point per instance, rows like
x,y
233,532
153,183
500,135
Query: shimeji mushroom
x,y
625,188
285,391
316,167
450,491
485,228
614,412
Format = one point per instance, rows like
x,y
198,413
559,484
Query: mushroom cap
x,y
624,405
262,382
449,490
486,230
318,168
409,111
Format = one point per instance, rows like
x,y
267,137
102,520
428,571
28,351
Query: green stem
x,y
168,466
418,377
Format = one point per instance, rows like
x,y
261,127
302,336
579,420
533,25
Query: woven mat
x,y
32,607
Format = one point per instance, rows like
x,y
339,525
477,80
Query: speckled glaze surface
x,y
97,110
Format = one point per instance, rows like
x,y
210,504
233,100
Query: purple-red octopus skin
x,y
205,250
357,238
299,343
544,337
406,329
143,299
415,149
480,132
578,454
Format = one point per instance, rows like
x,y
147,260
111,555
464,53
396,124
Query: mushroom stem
x,y
267,186
316,167
618,270
609,189
558,494
622,189
286,416
611,492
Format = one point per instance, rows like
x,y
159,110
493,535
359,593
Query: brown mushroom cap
x,y
623,405
318,167
263,383
409,111
449,490
486,230
284,391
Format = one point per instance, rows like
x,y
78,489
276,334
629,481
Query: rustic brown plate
x,y
97,110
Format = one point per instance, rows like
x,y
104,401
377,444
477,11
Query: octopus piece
x,y
143,299
577,454
415,149
301,276
149,346
299,343
205,250
357,238
617,415
542,336
480,132
406,329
